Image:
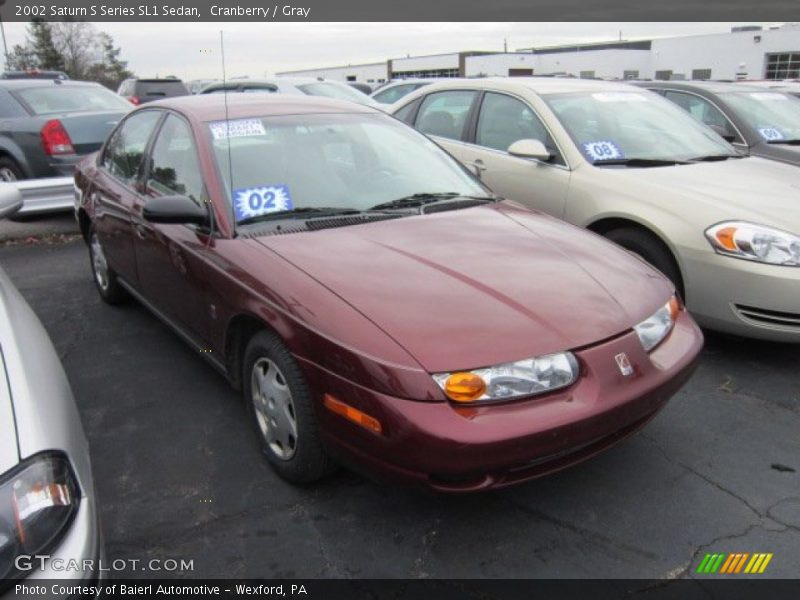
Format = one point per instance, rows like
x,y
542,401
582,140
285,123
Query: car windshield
x,y
64,98
774,115
635,125
339,161
332,90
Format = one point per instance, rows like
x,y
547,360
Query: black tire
x,y
299,457
10,170
651,249
106,282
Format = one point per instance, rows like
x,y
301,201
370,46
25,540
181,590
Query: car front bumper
x,y
466,448
743,297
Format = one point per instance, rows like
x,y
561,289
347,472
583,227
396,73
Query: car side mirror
x,y
723,132
175,210
10,200
529,148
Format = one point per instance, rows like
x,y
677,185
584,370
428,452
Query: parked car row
x,y
637,169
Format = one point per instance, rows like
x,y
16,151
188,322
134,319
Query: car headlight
x,y
38,500
655,328
511,380
755,242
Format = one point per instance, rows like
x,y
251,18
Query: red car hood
x,y
480,286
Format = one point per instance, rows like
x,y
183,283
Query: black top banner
x,y
408,10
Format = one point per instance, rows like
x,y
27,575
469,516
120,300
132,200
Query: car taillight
x,y
134,100
55,139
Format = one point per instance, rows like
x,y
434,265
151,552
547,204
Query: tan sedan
x,y
636,169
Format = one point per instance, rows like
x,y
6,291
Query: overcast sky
x,y
191,50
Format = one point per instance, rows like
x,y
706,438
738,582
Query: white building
x,y
748,54
745,53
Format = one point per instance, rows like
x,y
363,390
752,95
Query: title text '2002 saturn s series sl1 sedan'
x,y
370,297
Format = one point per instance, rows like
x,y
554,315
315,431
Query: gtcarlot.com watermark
x,y
27,562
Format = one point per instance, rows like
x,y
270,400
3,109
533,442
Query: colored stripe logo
x,y
735,563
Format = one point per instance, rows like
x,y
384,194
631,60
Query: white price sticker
x,y
240,128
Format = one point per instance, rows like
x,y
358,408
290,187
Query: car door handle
x,y
141,231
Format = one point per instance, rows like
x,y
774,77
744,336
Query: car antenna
x,y
227,122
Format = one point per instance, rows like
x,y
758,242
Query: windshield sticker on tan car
x,y
602,150
620,97
222,130
770,133
262,200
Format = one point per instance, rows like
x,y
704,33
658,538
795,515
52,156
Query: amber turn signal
x,y
674,307
352,414
464,387
727,238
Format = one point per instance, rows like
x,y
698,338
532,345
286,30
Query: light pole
x,y
3,33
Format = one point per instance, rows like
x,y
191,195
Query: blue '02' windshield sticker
x,y
257,201
602,150
770,133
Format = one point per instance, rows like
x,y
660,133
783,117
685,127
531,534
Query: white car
x,y
309,86
395,90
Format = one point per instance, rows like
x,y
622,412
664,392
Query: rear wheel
x,y
10,170
651,249
105,278
282,411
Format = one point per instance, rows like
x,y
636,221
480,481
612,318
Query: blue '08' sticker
x,y
602,150
770,133
257,201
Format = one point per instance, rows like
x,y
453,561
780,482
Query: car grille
x,y
772,318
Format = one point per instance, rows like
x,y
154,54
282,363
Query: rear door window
x,y
444,114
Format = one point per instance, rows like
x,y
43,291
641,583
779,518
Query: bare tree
x,y
77,42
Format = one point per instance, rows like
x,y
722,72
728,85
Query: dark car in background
x,y
47,125
763,121
372,300
140,91
245,86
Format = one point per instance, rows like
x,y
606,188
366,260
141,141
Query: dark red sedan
x,y
374,302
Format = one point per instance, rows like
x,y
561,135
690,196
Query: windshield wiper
x,y
424,198
715,157
300,212
791,142
639,162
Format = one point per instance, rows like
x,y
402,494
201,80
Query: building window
x,y
351,78
630,74
520,72
701,73
425,74
784,65
587,74
663,75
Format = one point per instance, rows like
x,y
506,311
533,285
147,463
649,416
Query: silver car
x,y
633,167
48,514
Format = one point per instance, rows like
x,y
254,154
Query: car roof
x,y
212,107
540,85
31,83
716,87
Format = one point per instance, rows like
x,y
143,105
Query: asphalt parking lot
x,y
179,475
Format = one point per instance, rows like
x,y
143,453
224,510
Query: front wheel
x,y
105,278
282,411
651,249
